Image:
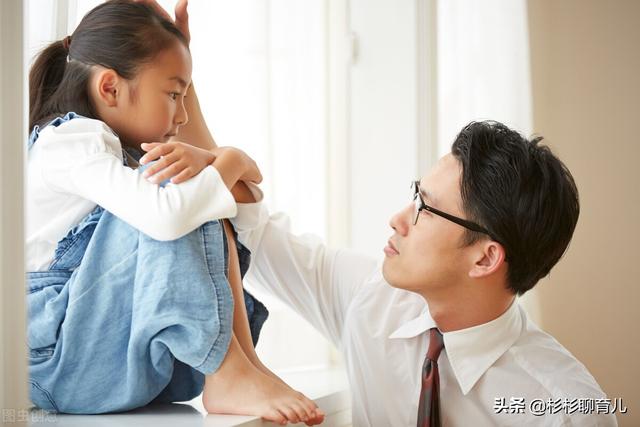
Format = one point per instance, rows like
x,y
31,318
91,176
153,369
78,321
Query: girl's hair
x,y
121,35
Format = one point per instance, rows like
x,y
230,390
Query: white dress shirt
x,y
78,165
383,334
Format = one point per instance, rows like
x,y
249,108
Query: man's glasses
x,y
420,205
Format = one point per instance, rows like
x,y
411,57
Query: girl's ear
x,y
107,87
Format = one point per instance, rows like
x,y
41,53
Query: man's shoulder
x,y
551,364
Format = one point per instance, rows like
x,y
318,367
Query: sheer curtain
x,y
260,71
483,66
483,72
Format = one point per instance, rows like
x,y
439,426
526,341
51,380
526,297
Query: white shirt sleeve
x,y
317,282
83,157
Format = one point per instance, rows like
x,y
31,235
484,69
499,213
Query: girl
x,y
128,296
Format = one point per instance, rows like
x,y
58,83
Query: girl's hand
x,y
235,165
178,161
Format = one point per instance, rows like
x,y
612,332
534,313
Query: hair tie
x,y
66,42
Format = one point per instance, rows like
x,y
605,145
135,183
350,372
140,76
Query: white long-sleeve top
x,y
506,372
78,165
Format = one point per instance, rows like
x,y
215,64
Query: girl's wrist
x,y
210,157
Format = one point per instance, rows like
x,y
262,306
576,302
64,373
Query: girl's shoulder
x,y
78,138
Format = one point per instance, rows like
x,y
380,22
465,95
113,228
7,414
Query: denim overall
x,y
120,320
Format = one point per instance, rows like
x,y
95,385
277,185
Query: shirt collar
x,y
471,351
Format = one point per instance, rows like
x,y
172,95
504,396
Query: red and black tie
x,y
429,406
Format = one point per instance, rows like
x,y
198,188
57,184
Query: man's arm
x,y
317,282
195,132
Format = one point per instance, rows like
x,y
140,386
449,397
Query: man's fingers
x,y
159,9
182,18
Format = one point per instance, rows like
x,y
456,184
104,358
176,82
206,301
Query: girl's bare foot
x,y
319,418
253,358
240,388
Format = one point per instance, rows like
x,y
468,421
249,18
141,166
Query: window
x,y
260,73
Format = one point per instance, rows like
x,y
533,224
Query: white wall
x,y
13,369
585,67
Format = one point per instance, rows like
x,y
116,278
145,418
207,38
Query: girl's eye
x,y
174,95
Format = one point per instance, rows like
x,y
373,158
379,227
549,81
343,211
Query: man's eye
x,y
424,212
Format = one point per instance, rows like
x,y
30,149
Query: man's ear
x,y
108,86
489,259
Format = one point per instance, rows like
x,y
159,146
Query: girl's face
x,y
151,107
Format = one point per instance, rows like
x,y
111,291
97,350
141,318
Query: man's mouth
x,y
390,249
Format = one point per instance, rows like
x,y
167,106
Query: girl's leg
x,y
240,319
238,387
242,385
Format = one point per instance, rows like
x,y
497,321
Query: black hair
x,y
522,193
121,35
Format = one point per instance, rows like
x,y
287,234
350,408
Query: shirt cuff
x,y
250,215
225,203
256,192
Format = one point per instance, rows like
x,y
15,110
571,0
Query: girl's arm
x,y
82,157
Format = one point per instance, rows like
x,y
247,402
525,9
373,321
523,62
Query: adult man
x,y
491,219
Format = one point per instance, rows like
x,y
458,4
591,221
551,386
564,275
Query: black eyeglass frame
x,y
425,207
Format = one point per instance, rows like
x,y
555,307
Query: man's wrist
x,y
242,194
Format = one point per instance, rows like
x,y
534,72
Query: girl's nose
x,y
181,117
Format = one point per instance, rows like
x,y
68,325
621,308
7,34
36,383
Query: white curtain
x,y
483,72
483,66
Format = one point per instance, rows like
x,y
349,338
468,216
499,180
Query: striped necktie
x,y
429,406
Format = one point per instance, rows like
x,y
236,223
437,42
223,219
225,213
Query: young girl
x,y
134,285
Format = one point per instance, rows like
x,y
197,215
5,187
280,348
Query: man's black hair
x,y
522,193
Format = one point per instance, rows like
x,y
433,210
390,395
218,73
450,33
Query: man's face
x,y
428,256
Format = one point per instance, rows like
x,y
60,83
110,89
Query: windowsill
x,y
327,387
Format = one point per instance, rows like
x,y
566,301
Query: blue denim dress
x,y
120,320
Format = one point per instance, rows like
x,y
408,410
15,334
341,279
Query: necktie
x,y
429,406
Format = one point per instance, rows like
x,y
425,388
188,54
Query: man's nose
x,y
401,221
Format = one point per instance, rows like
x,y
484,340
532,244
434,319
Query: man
x,y
436,336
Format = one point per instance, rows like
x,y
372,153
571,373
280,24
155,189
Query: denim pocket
x,y
72,247
41,354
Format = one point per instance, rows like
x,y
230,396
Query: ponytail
x,y
57,86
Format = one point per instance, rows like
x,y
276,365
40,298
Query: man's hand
x,y
242,194
182,17
178,160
